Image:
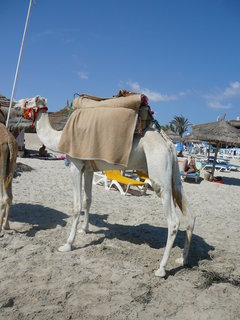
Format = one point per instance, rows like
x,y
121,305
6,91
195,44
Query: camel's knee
x,y
190,224
174,226
87,203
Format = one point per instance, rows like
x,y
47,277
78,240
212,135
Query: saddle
x,y
141,106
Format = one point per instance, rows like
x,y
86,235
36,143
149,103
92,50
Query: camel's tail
x,y
13,150
180,198
177,189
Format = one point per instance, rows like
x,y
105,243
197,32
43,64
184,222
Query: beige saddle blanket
x,y
101,129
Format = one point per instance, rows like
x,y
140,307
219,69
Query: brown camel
x,y
8,157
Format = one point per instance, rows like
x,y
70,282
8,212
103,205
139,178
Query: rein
x,y
31,113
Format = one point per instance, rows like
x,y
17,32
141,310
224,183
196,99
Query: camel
x,y
153,152
8,157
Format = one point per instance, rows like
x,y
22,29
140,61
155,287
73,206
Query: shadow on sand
x,y
231,181
154,237
43,218
192,181
38,216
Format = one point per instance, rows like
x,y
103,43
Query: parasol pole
x,y
208,151
19,60
215,159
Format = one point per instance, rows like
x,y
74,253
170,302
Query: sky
x,y
183,54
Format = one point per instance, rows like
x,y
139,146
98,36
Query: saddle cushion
x,y
101,129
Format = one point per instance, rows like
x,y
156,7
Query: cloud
x,y
218,105
230,92
64,35
82,75
221,99
152,95
233,90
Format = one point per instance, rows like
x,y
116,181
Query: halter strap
x,y
31,113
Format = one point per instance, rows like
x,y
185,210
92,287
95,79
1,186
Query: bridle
x,y
32,112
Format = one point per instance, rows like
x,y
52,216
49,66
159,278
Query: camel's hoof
x,y
83,231
180,261
65,248
160,272
6,226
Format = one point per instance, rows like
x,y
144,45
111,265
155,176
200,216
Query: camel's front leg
x,y
87,199
3,209
6,225
76,174
173,225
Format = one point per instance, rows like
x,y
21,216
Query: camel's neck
x,y
47,135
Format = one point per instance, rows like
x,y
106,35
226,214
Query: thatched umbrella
x,y
173,136
58,119
219,133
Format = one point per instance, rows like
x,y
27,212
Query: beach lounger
x,y
219,160
120,182
99,178
195,175
220,167
144,177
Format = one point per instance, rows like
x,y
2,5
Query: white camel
x,y
153,153
8,157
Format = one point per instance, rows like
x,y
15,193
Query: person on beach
x,y
189,167
42,151
180,153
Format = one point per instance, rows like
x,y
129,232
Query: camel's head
x,y
30,107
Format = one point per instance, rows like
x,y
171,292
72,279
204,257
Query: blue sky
x,y
183,54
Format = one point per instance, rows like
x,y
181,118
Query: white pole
x,y
19,60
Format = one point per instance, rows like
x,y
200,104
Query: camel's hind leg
x,y
5,203
6,225
173,225
189,220
189,217
76,173
3,193
2,202
87,199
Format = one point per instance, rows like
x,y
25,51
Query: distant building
x,y
235,123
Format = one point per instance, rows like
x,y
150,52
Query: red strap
x,y
31,113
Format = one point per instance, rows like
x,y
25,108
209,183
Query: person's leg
x,y
185,167
191,170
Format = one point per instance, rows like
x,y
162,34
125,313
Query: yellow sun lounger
x,y
143,176
117,180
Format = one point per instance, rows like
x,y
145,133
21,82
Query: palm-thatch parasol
x,y
58,119
173,136
219,133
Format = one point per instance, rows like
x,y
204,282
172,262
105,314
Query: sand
x,y
110,272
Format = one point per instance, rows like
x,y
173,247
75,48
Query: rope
x,y
19,60
70,109
16,125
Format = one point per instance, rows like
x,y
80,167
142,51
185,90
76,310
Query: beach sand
x,y
110,272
